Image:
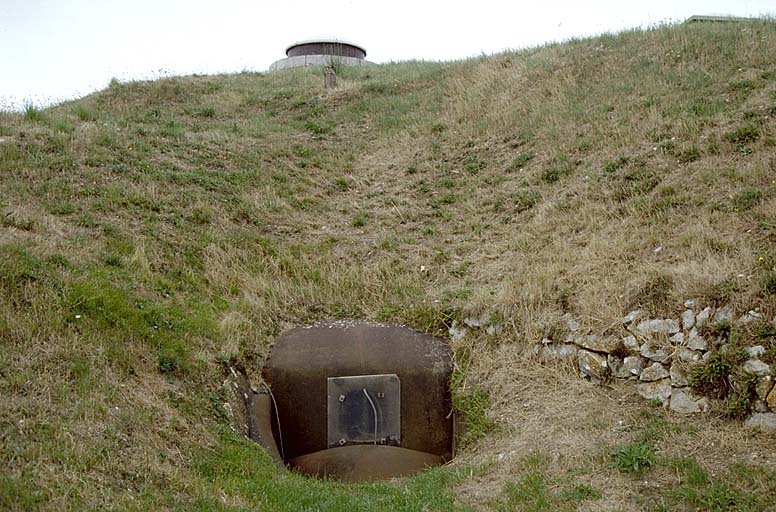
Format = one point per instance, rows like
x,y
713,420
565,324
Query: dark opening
x,y
357,400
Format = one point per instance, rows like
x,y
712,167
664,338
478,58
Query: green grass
x,y
239,468
632,457
741,488
539,490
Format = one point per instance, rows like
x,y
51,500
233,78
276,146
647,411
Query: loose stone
x,y
751,316
633,365
657,326
559,351
657,390
677,339
763,387
592,365
685,403
755,351
687,354
762,420
696,341
771,399
456,332
631,343
652,350
655,371
703,317
571,324
625,368
630,317
678,376
604,344
723,315
688,320
760,406
757,367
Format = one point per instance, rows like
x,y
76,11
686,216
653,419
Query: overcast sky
x,y
54,50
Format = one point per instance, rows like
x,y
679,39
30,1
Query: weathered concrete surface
x,y
364,463
257,415
302,61
305,357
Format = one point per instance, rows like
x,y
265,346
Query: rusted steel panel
x,y
364,463
304,358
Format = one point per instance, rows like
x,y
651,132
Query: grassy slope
x,y
153,232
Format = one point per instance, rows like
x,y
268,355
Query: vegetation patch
x,y
156,231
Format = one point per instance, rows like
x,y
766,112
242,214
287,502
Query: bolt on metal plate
x,y
364,409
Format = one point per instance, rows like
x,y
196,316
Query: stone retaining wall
x,y
659,354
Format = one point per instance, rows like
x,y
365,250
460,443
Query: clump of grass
x,y
632,457
342,184
746,199
745,134
84,113
360,220
615,165
318,128
520,161
712,378
770,283
169,362
538,491
207,112
526,199
202,215
656,295
738,487
473,164
690,154
554,173
32,113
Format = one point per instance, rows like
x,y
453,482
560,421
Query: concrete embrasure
x,y
304,358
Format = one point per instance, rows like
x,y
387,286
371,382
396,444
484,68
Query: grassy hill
x,y
154,233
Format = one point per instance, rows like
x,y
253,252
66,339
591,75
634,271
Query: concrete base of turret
x,y
302,61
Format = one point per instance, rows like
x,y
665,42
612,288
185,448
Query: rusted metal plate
x,y
364,463
304,358
364,409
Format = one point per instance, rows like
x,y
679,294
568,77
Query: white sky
x,y
54,50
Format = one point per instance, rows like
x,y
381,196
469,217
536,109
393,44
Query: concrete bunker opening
x,y
354,401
